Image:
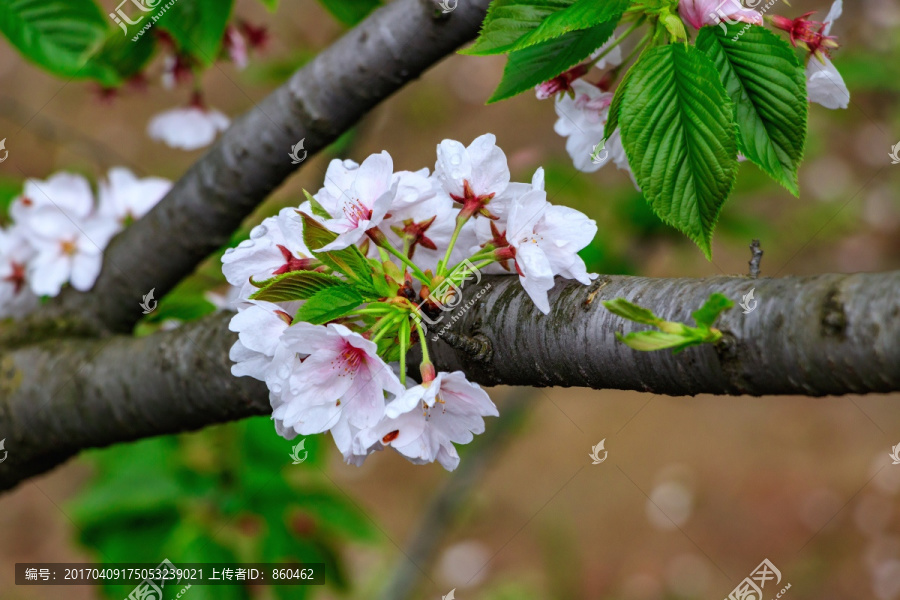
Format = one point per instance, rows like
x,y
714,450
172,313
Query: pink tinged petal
x,y
538,276
837,9
825,86
187,128
448,457
259,327
364,401
453,166
490,171
85,269
712,12
524,215
48,273
373,179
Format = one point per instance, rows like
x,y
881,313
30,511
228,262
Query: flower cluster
x,y
332,294
58,233
583,107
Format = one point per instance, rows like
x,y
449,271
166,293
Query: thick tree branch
x,y
829,334
322,100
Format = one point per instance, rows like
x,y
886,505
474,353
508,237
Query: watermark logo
x,y
295,452
450,596
6,152
751,588
595,452
149,590
447,295
296,159
5,453
895,153
448,6
145,304
895,453
748,303
599,154
121,18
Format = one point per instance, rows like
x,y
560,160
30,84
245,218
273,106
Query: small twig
x,y
755,260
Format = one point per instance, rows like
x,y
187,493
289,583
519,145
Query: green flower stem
x,y
460,221
382,241
423,341
618,41
385,325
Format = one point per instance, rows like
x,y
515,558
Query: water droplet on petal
x,y
455,159
259,231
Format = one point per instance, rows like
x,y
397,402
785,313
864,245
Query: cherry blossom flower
x,y
425,421
357,197
126,198
343,377
236,46
824,83
275,246
67,192
582,121
713,12
259,326
545,240
68,250
475,176
560,83
188,128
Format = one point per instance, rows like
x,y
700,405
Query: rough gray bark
x,y
828,334
60,397
816,336
322,100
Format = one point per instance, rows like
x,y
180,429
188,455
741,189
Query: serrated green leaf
x,y
58,35
329,304
530,66
767,86
350,12
631,311
296,285
678,131
509,20
583,14
349,261
707,314
198,27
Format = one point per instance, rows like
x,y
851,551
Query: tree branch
x,y
322,100
822,335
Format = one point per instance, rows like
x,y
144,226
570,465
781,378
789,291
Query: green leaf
x,y
329,304
583,14
198,26
317,209
530,66
58,35
631,311
646,341
350,12
678,131
707,314
120,58
509,20
272,5
612,119
767,86
296,285
349,261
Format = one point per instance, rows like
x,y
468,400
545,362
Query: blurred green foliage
x,y
226,494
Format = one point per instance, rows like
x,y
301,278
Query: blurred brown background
x,y
696,491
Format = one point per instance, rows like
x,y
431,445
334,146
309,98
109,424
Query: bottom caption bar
x,y
151,578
